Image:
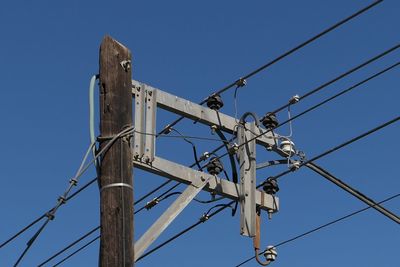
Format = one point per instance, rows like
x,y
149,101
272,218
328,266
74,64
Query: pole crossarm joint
x,y
215,184
200,114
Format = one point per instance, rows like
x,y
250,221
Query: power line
x,y
341,76
322,226
369,61
340,93
77,251
46,214
73,182
341,146
282,56
69,246
353,192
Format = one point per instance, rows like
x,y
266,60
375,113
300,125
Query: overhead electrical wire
x,y
224,206
45,214
69,246
314,167
341,76
329,151
205,218
324,85
321,227
73,182
77,251
340,93
336,181
277,59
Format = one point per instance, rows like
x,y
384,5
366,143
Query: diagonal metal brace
x,y
168,216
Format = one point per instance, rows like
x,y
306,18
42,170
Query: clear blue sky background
x,y
49,50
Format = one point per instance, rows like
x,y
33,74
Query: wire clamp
x,y
116,185
152,203
50,215
62,200
233,149
204,218
73,181
214,128
241,82
294,166
294,99
167,129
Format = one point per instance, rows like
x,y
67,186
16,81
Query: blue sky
x,y
49,51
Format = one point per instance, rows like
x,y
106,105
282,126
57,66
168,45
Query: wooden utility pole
x,y
116,178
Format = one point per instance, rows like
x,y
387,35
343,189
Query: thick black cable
x,y
282,56
69,246
329,151
314,167
76,251
321,227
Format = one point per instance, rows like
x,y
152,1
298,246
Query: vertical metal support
x,y
247,161
151,109
139,91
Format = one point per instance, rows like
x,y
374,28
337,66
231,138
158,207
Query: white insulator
x,y
270,253
287,146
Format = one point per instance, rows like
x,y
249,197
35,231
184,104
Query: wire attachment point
x,y
270,253
152,203
73,181
62,200
215,102
270,121
294,166
241,82
294,99
214,166
204,218
50,215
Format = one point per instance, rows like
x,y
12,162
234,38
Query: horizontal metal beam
x,y
202,114
215,185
